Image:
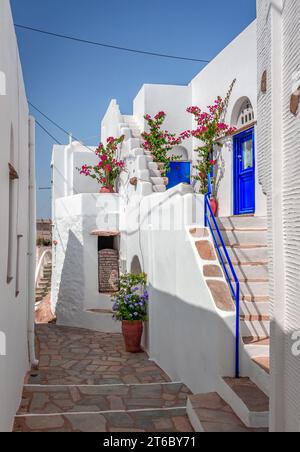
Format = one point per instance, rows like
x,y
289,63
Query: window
x,y
246,114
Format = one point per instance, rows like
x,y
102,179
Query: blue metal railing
x,y
232,279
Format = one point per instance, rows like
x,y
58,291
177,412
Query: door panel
x,y
244,173
180,172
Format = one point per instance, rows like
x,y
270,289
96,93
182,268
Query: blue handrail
x,y
232,279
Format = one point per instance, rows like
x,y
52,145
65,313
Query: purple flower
x,y
115,307
131,306
135,289
130,315
135,314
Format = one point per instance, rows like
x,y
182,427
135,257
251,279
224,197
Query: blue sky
x,y
73,82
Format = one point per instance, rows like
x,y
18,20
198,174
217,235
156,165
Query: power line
x,y
56,125
110,46
47,132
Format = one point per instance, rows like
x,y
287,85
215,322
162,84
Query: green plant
x,y
160,142
210,129
131,302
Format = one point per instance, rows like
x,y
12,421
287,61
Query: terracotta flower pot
x,y
108,189
214,205
132,333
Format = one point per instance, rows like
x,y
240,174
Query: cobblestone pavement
x,y
87,382
77,356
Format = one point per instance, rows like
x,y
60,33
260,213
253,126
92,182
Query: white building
x,y
192,326
17,225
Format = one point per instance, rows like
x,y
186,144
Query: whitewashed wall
x,y
110,122
237,61
279,135
75,288
67,180
171,99
158,241
14,135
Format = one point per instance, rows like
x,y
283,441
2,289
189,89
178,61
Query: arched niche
x,y
243,113
180,152
136,267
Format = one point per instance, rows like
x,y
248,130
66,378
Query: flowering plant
x,y
109,167
210,129
130,303
159,142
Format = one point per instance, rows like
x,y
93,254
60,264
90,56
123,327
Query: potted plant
x,y
108,168
130,307
210,129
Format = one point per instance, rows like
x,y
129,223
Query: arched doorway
x,y
180,168
244,158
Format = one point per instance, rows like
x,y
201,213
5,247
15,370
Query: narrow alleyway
x,y
87,382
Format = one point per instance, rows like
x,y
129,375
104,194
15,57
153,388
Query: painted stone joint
x,y
295,100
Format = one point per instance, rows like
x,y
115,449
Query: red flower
x,y
107,168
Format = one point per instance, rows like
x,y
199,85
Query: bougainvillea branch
x,y
109,167
160,142
210,128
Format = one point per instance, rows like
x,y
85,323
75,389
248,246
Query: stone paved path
x,y
87,382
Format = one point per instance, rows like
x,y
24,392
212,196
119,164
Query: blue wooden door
x,y
244,173
180,172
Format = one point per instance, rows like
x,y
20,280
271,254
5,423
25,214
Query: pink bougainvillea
x,y
210,129
107,170
160,142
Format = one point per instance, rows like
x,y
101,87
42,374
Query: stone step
x,y
254,291
159,188
255,326
257,347
242,223
263,362
245,238
247,401
159,180
259,372
62,399
163,420
209,413
261,308
248,256
251,273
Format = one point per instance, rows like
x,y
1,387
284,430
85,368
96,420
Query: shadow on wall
x,y
71,290
190,343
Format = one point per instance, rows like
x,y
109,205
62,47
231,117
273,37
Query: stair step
x,y
250,340
159,188
251,273
163,420
248,402
254,291
242,223
248,256
261,308
211,414
60,399
245,238
256,346
263,362
255,326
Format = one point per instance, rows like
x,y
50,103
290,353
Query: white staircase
x,y
243,404
151,171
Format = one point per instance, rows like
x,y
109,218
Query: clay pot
x,y
214,205
108,189
132,333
